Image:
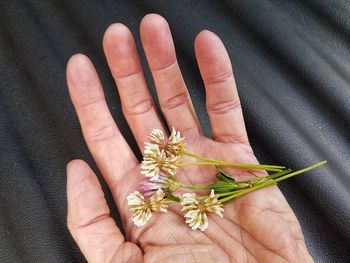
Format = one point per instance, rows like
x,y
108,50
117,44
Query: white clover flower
x,y
196,208
170,163
157,202
156,160
141,212
213,204
142,209
197,219
152,159
157,137
174,146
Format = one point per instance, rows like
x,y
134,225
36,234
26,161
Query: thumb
x,y
89,222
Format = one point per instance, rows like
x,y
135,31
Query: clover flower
x,y
157,137
167,183
156,160
196,208
157,203
142,209
173,146
139,208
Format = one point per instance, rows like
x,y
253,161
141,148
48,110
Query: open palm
x,y
258,227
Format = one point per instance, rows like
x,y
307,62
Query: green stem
x,y
194,163
222,163
278,174
227,193
195,187
249,166
197,156
269,183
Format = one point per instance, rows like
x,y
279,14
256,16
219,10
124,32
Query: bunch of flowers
x,y
162,158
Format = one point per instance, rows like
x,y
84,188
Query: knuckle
x,y
138,108
96,122
175,101
219,78
224,107
166,66
99,131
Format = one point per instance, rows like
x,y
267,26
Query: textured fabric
x,y
292,66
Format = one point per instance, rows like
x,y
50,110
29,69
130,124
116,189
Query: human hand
x,y
257,227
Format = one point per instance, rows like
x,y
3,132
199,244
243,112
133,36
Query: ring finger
x,y
173,95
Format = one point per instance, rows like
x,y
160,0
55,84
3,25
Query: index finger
x,y
108,147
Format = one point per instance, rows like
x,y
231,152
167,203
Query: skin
x,y
257,227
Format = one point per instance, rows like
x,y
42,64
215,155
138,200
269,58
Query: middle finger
x,y
137,103
173,95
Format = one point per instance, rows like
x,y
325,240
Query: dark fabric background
x,y
292,65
